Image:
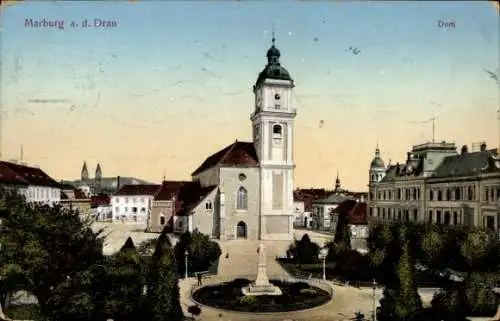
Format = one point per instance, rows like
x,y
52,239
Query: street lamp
x,y
186,263
323,252
374,286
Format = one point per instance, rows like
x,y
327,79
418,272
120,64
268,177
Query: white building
x,y
31,182
133,202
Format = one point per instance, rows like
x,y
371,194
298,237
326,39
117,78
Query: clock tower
x,y
272,122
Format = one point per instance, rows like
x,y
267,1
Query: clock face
x,y
277,96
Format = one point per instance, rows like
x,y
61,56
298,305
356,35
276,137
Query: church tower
x,y
272,123
84,173
377,168
97,178
337,183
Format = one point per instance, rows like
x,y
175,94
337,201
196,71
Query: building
x,y
100,184
303,200
253,182
133,202
356,216
438,185
101,207
75,199
323,208
31,182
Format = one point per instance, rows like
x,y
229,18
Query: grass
x,y
23,312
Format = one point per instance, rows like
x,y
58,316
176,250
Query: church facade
x,y
245,190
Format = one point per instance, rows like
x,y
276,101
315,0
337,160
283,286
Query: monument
x,y
261,286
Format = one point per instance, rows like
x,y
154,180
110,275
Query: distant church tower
x,y
377,168
85,173
337,183
97,178
272,123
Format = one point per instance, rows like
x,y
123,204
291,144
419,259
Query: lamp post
x,y
374,286
186,264
323,253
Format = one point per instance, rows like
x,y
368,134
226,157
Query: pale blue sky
x,y
123,85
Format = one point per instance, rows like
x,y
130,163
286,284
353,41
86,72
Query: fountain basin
x,y
295,296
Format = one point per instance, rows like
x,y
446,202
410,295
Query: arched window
x,y
162,220
208,205
277,131
242,199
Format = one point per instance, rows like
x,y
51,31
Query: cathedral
x,y
245,190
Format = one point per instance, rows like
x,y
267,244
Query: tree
x,y
401,299
162,297
433,244
342,237
125,284
305,251
202,252
44,245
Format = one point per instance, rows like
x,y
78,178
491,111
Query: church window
x,y
242,199
208,205
277,131
242,177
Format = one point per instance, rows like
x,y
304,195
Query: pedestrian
x,y
227,255
199,276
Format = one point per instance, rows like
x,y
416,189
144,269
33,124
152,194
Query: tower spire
x,y
274,39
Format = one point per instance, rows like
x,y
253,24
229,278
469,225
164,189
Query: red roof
x,y
138,189
187,195
8,176
26,175
355,212
236,154
100,200
78,194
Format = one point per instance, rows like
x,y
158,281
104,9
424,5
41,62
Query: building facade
x,y
31,182
438,185
133,202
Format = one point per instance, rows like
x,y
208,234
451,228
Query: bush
x,y
310,292
247,300
304,251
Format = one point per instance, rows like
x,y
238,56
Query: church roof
x,y
187,195
138,189
236,154
273,69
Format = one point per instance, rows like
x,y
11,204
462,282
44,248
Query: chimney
x,y
117,183
464,150
483,147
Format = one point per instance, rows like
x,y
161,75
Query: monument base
x,y
261,290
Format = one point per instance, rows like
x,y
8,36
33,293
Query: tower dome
x,y
377,161
273,69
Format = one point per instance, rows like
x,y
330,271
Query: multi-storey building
x,y
133,202
31,182
438,185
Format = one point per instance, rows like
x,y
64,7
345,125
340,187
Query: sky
x,y
166,84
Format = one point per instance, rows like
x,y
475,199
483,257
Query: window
x,y
470,193
431,195
440,196
438,217
134,200
242,199
458,197
143,210
242,177
134,210
448,195
277,131
208,205
142,199
117,209
162,220
126,209
447,218
126,199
